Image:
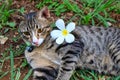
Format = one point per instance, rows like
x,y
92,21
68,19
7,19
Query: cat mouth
x,y
38,43
35,44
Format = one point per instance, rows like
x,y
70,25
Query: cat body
x,y
95,54
95,48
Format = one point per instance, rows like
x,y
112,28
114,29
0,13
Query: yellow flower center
x,y
65,32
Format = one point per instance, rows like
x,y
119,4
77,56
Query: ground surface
x,y
15,40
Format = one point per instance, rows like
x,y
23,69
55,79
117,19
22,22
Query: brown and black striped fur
x,y
95,48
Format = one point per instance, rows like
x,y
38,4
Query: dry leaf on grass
x,y
3,39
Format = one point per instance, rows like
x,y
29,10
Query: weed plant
x,y
5,13
91,12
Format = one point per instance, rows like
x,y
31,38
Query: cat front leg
x,y
66,69
45,73
43,68
70,60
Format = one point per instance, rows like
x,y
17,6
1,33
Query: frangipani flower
x,y
64,32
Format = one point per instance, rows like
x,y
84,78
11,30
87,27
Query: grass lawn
x,y
13,65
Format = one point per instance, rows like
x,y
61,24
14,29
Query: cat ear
x,y
44,13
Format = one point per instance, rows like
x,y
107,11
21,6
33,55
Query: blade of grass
x,y
93,74
4,74
28,75
116,78
96,10
72,6
102,19
93,22
12,64
18,75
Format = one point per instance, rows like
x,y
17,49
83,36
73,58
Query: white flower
x,y
64,32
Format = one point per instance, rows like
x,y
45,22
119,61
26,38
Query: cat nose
x,y
36,43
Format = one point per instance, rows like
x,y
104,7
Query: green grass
x,y
5,13
116,7
91,12
15,72
91,75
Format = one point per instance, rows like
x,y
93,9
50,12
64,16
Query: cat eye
x,y
36,26
26,33
39,30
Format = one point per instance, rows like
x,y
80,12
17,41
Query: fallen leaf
x,y
3,39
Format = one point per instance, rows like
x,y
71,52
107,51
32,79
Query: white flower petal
x,y
69,38
70,27
55,34
60,40
60,24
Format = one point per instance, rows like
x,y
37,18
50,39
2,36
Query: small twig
x,y
19,57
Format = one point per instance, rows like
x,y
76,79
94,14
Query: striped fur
x,y
95,48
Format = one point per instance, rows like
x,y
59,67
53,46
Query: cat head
x,y
36,26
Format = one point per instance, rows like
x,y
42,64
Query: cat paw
x,y
43,78
40,78
30,48
46,73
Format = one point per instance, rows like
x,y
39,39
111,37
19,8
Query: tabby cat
x,y
95,48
